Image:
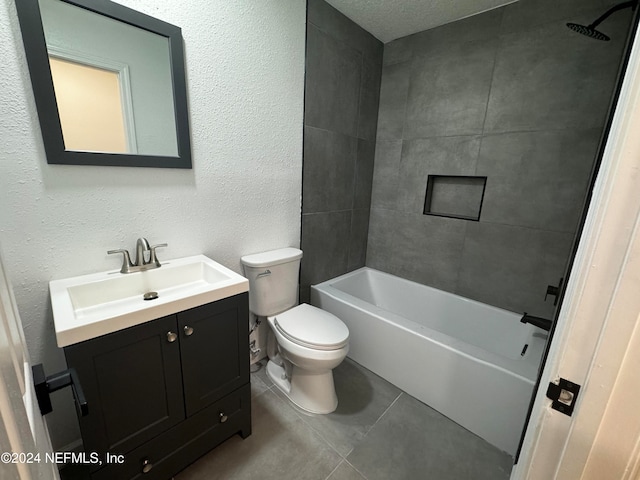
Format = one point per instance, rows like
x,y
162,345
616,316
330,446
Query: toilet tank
x,y
273,280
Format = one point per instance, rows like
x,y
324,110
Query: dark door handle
x,y
554,292
45,385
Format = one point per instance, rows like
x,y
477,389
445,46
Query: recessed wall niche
x,y
455,196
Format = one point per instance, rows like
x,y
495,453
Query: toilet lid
x,y
311,327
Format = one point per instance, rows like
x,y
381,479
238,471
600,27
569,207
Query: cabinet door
x,y
132,382
214,344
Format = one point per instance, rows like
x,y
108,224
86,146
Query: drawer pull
x,y
188,331
172,337
146,466
223,417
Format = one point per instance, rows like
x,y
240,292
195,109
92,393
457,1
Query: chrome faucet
x,y
142,246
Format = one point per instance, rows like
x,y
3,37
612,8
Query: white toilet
x,y
310,341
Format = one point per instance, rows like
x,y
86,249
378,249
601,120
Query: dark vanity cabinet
x,y
163,393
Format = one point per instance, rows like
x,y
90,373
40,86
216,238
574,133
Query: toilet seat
x,y
311,327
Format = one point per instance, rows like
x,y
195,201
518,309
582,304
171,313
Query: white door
x,y
24,440
597,344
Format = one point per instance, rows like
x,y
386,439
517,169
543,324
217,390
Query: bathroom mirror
x,y
109,84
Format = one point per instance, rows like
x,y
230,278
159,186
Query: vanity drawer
x,y
180,446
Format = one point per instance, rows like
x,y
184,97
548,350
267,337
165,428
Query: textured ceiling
x,y
391,19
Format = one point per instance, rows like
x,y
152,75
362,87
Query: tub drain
x,y
150,295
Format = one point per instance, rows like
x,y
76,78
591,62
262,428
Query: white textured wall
x,y
245,69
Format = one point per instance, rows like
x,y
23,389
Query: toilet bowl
x,y
309,342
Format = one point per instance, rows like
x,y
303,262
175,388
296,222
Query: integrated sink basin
x,y
88,306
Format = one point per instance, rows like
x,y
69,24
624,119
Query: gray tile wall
x,y
343,72
512,94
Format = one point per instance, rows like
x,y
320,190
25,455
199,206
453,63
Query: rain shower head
x,y
590,30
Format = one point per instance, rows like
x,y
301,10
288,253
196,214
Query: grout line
x,y
491,82
480,134
333,471
303,416
383,413
335,132
352,466
481,222
333,211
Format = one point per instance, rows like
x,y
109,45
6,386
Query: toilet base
x,y
313,392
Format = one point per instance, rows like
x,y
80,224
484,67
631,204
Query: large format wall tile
x,y
448,92
332,89
325,243
522,15
385,174
515,265
334,23
513,95
477,29
428,249
343,78
358,239
537,179
394,89
364,174
398,51
432,156
421,248
553,78
329,170
380,252
369,99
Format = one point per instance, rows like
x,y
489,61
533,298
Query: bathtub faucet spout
x,y
539,322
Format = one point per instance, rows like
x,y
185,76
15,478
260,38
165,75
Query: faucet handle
x,y
126,259
152,257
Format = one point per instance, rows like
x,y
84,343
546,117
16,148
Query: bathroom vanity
x,y
165,390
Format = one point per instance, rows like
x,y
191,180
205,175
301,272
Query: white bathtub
x,y
461,357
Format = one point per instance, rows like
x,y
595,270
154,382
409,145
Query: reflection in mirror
x,y
109,83
91,108
101,41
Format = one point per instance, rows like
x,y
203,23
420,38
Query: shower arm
x,y
613,9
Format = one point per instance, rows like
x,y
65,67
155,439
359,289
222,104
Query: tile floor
x,y
378,432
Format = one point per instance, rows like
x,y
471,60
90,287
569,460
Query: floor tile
x,y
281,447
345,471
362,398
261,372
414,441
258,386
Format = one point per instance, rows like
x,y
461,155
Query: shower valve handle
x,y
554,292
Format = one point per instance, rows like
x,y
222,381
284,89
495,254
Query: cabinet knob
x,y
223,417
188,331
172,337
146,466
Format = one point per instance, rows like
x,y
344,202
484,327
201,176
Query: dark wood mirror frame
x,y
41,80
